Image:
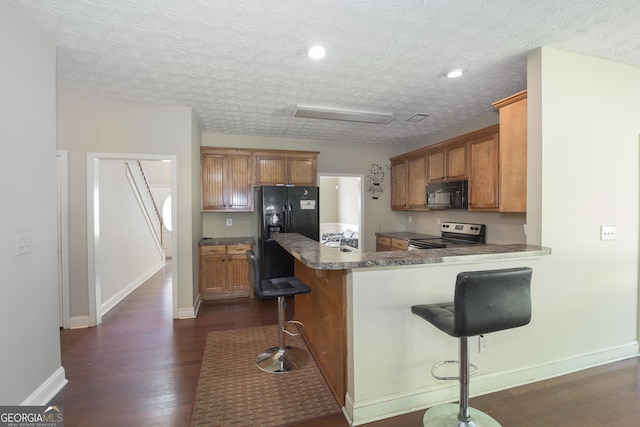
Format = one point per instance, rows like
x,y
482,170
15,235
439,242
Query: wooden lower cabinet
x,y
224,271
383,244
388,244
399,245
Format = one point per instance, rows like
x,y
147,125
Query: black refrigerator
x,y
284,210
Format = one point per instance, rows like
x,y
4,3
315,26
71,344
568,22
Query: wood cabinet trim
x,y
511,99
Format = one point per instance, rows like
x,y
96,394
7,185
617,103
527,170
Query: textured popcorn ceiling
x,y
242,66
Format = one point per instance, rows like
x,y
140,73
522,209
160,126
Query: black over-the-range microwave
x,y
448,195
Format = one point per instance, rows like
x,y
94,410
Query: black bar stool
x,y
283,358
484,302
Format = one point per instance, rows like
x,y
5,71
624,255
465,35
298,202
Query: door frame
x,y
362,198
93,226
62,172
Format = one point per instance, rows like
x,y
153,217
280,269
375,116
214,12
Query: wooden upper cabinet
x,y
302,170
447,162
408,182
435,162
286,168
399,184
417,182
228,175
456,161
270,170
226,180
483,173
513,152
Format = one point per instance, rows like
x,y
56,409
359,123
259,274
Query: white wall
x,y
30,365
584,129
128,254
329,199
349,200
86,126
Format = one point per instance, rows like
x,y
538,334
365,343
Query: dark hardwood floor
x,y
140,368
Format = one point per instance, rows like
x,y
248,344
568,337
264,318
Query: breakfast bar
x,y
374,355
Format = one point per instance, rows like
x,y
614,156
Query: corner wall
x,y
30,363
585,132
86,126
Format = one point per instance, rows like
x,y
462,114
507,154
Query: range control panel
x,y
462,228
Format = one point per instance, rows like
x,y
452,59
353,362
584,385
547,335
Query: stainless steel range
x,y
453,234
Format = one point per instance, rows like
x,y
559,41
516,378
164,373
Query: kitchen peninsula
x,y
375,355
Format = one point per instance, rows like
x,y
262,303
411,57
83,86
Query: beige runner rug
x,y
233,391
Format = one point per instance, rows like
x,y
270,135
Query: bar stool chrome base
x,y
447,416
279,361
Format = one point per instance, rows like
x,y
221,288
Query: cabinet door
x,y
271,170
240,186
383,244
226,181
302,170
399,245
399,185
513,156
435,165
417,182
213,275
456,162
237,274
213,177
483,174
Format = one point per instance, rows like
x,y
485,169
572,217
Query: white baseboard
x,y
190,312
47,390
388,406
122,294
77,322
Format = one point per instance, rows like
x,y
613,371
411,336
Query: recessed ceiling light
x,y
316,52
456,72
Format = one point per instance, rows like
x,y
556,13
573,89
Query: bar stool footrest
x,y
299,326
446,362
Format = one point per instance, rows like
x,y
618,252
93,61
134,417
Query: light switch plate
x,y
23,244
607,232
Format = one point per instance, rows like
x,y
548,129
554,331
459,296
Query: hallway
x,y
140,367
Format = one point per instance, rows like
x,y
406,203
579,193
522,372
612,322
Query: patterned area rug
x,y
233,391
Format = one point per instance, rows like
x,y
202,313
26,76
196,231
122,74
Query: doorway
x,y
341,210
97,247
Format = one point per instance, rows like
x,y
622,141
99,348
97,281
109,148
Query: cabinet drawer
x,y
383,241
212,250
399,245
238,249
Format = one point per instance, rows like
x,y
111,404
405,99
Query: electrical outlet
x,y
229,222
438,221
410,219
483,343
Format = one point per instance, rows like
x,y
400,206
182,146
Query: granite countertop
x,y
320,257
404,235
211,241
